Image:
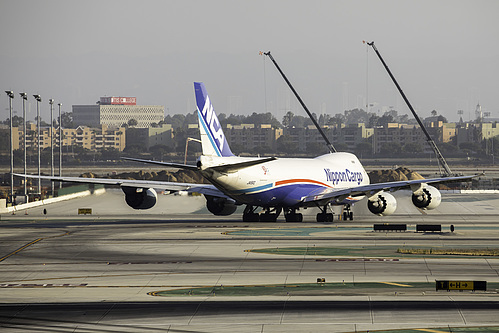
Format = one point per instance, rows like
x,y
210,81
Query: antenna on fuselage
x,y
328,143
429,139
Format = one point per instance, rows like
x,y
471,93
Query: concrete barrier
x,y
39,203
390,227
428,227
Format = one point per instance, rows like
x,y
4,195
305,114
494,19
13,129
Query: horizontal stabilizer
x,y
167,164
241,165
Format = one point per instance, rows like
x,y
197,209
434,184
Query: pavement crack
x,y
284,309
106,313
196,311
458,310
492,268
371,309
428,267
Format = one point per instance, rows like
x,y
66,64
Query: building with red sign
x,y
117,112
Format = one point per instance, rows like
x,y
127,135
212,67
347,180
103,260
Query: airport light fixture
x,y
38,101
11,97
51,102
24,96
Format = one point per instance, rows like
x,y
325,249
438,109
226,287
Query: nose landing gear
x,y
347,213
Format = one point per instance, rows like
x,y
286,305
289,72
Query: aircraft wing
x,y
372,189
207,189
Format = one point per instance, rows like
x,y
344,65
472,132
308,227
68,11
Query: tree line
x,y
284,144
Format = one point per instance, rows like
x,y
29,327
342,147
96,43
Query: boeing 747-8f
x,y
272,184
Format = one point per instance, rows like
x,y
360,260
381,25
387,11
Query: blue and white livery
x,y
272,185
212,136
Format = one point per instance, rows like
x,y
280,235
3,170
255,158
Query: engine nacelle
x,y
382,203
427,197
220,206
140,198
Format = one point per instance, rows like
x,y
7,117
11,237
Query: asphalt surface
x,y
96,273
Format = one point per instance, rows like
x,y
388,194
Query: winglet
x,y
212,136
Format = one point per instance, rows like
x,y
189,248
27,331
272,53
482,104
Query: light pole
x,y
38,100
60,144
51,102
24,97
11,97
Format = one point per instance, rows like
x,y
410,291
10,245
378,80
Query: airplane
x,y
272,184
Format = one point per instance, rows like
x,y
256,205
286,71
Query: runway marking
x,y
31,243
430,330
397,284
20,249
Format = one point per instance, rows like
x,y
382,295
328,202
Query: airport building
x,y
102,137
398,133
117,111
151,136
251,136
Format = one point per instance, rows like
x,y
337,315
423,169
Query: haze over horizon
x,y
444,54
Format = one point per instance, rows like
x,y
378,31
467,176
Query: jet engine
x,y
382,203
220,206
140,198
427,197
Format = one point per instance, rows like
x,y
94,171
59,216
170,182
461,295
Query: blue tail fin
x,y
212,136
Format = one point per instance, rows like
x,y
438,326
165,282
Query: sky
x,y
444,53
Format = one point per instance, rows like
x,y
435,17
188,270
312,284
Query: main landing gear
x,y
292,216
249,214
269,215
324,216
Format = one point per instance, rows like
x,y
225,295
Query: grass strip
x,y
459,252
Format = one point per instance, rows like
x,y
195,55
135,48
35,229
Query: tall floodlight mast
x,y
51,102
430,141
24,96
38,100
11,97
328,143
60,143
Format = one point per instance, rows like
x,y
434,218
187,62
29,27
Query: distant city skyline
x,y
443,53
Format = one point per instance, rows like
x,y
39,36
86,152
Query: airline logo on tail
x,y
212,136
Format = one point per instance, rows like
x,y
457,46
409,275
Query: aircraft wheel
x,y
251,217
294,217
321,217
266,217
329,217
350,216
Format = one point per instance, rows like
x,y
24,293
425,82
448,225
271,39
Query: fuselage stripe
x,y
253,189
290,181
278,183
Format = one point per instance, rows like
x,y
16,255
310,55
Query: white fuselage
x,y
285,182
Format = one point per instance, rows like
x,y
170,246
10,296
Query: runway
x,y
64,272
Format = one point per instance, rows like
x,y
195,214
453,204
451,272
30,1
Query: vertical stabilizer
x,y
212,136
